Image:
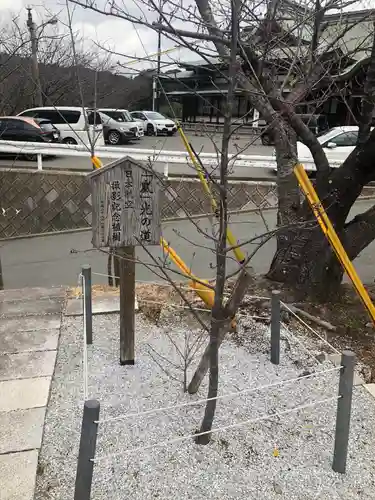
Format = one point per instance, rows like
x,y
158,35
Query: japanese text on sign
x,y
128,190
101,222
116,210
146,193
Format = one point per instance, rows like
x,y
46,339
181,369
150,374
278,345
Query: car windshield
x,y
116,115
120,116
154,116
128,116
105,118
328,134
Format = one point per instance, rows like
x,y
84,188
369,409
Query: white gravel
x,y
238,463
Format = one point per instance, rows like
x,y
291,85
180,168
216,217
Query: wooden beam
x,y
127,304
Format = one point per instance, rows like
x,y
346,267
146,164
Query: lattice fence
x,y
34,202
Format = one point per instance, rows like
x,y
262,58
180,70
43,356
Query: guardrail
x,y
164,156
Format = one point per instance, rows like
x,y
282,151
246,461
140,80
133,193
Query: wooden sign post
x,y
125,213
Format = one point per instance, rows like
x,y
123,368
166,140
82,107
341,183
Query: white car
x,y
338,143
155,123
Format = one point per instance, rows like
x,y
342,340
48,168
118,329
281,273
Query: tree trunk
x,y
304,258
308,264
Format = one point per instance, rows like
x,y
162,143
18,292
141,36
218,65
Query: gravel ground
x,y
239,463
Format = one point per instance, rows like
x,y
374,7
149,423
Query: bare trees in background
x,y
58,72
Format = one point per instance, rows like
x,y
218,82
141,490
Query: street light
x,y
34,54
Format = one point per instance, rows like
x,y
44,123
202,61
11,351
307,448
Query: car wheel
x,y
114,137
69,140
150,129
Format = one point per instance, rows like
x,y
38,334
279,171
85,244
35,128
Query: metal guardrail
x,y
164,156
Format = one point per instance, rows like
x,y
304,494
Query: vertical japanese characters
x,y
102,222
146,210
116,210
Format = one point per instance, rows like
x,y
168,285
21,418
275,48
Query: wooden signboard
x,y
125,213
125,205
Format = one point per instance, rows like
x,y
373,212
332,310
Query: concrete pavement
x,y
29,331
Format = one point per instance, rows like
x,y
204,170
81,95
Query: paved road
x,y
47,261
201,144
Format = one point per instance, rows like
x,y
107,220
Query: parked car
x,y
13,128
49,129
71,122
155,123
317,124
123,116
116,132
338,143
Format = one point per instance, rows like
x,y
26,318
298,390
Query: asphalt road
x,y
201,144
47,260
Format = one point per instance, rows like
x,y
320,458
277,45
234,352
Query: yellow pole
x,y
332,237
205,293
96,162
240,256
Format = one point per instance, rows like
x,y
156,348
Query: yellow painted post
x,y
96,163
240,256
205,293
332,237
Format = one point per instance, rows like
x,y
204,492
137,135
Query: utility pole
x,y
34,59
156,84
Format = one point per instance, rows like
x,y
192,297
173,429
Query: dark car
x,y
48,129
17,128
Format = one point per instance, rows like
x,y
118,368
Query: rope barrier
x,y
219,429
309,327
223,396
299,342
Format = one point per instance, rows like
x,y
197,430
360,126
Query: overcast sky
x,y
115,34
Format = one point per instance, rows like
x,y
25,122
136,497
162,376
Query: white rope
x,y
106,275
219,429
85,371
310,328
233,394
299,342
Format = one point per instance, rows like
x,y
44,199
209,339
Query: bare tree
x,y
287,46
